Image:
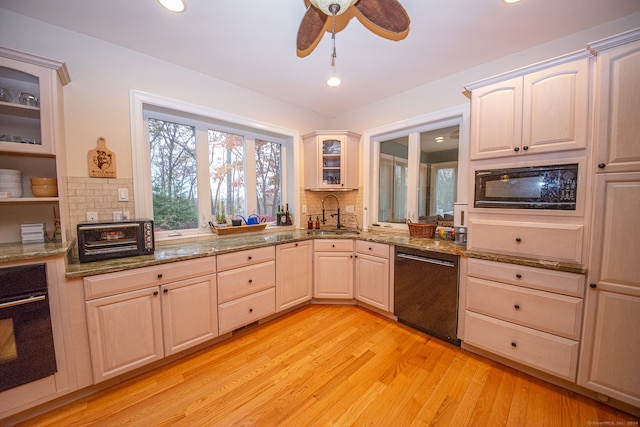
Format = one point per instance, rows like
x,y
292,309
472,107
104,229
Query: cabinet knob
x,y
159,275
166,291
370,248
525,148
155,292
514,344
516,149
593,285
249,258
251,310
295,244
518,239
516,306
519,276
602,165
250,280
333,246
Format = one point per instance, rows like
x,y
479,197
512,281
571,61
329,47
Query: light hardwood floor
x,y
334,365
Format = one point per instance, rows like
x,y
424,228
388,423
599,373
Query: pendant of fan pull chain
x,y
385,18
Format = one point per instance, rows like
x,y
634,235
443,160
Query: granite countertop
x,y
185,249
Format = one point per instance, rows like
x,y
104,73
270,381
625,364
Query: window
x,y
414,170
192,167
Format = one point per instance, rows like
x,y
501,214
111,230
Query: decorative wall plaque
x,y
102,161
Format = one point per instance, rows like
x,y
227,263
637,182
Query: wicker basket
x,y
421,230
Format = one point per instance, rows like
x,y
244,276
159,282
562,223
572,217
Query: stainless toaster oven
x,y
99,241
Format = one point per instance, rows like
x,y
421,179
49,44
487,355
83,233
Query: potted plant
x,y
221,218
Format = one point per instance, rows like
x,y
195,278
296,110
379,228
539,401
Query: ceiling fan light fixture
x,y
173,5
329,6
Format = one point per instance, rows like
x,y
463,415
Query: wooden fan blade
x,y
310,32
387,15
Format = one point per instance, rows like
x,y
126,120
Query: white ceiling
x,y
252,43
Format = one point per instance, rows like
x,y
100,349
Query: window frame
x,y
412,128
187,113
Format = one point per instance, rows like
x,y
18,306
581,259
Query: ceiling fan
x,y
386,18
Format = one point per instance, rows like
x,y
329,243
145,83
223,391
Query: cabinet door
x,y
617,104
496,119
294,274
125,332
372,280
611,340
333,275
189,313
555,108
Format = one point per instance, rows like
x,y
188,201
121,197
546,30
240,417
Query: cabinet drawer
x,y
245,310
530,277
553,313
333,245
245,280
552,241
243,258
370,248
129,280
549,353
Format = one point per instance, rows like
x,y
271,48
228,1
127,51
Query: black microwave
x,y
98,241
538,187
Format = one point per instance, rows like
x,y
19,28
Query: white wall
x,y
97,99
447,92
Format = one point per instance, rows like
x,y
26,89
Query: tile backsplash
x,y
96,195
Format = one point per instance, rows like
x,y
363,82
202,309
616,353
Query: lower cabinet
x,y
130,328
373,274
246,287
294,274
530,315
333,269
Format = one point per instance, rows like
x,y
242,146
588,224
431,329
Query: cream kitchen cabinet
x,y
530,315
140,316
373,277
538,109
610,357
617,94
530,237
246,287
331,160
294,274
333,268
32,139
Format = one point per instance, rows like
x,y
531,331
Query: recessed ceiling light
x,y
439,139
510,1
173,5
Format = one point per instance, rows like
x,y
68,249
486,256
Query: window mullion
x,y
250,175
413,176
204,181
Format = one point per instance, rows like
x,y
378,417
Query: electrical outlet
x,y
351,209
304,208
123,194
92,216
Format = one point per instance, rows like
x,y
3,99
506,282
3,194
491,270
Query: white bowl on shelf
x,y
13,190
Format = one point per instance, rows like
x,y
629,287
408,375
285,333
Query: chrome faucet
x,y
337,201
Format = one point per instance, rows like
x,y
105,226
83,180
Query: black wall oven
x,y
26,338
537,187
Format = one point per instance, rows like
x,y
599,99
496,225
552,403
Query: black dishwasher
x,y
426,292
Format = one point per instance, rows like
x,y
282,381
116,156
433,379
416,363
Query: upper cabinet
x,y
539,109
616,126
31,139
331,160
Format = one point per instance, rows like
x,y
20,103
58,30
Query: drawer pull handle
x,y
593,285
514,344
519,276
517,306
159,275
518,239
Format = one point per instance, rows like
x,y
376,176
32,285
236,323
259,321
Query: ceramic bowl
x,y
44,190
44,181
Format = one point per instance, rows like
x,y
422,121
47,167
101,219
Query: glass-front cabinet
x,y
331,160
31,138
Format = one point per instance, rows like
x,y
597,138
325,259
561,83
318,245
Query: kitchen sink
x,y
332,232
